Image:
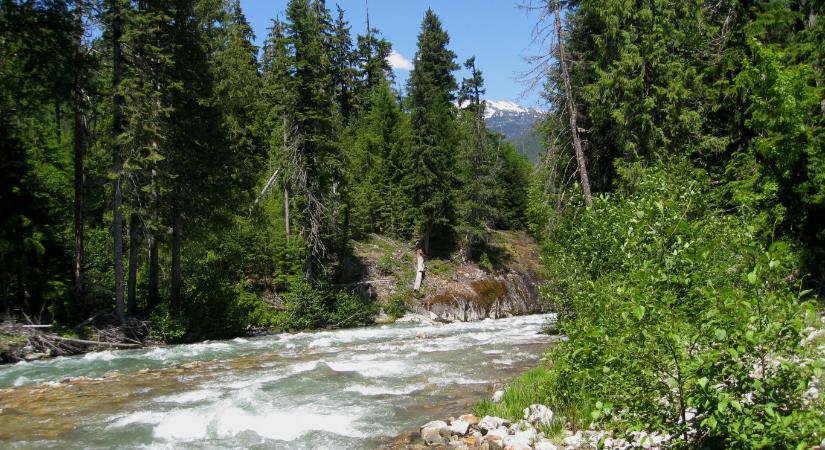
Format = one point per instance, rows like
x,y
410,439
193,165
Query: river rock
x,y
459,427
469,418
432,436
545,444
498,396
438,426
521,439
538,414
574,441
492,422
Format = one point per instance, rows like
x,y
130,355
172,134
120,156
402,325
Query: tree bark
x,y
176,273
571,109
79,155
117,163
153,297
419,269
154,264
286,187
286,212
131,304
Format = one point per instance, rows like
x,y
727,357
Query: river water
x,y
353,388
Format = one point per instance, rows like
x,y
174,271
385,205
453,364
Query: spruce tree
x,y
477,166
429,174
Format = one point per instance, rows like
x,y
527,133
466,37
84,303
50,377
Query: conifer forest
x,y
653,278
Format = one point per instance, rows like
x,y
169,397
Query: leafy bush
x,y
386,265
679,319
309,306
167,327
396,305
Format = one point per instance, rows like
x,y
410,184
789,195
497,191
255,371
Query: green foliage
x,y
396,305
673,309
167,327
309,307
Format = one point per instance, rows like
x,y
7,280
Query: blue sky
x,y
497,32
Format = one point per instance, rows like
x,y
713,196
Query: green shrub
x,y
167,327
386,265
675,310
396,305
309,307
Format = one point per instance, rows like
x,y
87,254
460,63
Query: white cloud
x,y
398,62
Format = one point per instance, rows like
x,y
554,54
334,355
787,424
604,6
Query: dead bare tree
x,y
549,34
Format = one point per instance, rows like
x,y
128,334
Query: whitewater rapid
x,y
353,388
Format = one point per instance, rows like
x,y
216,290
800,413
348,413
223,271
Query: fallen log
x,y
85,342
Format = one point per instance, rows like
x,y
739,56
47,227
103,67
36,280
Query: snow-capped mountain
x,y
516,123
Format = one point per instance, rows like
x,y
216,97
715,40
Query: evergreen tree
x,y
429,173
477,166
316,153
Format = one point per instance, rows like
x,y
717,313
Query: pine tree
x,y
314,123
429,175
478,166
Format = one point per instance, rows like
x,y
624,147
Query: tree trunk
x,y
286,212
153,297
571,109
4,287
131,304
176,273
117,163
286,186
419,269
79,155
154,264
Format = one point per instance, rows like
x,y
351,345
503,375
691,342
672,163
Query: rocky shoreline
x,y
468,432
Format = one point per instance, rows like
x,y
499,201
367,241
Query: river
x,y
354,388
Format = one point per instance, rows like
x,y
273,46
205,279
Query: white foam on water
x,y
364,389
286,425
189,397
304,366
504,361
20,381
371,368
140,417
240,340
321,342
107,355
187,425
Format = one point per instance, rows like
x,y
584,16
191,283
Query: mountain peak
x,y
499,107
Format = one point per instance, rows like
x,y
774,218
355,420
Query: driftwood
x,y
364,283
419,269
37,326
85,342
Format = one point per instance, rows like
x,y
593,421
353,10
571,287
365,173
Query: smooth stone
x,y
538,414
498,396
545,444
574,441
469,418
459,427
492,422
432,436
497,434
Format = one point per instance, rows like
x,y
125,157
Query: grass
x,y
532,388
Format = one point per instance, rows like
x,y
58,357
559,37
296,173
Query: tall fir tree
x,y
430,176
